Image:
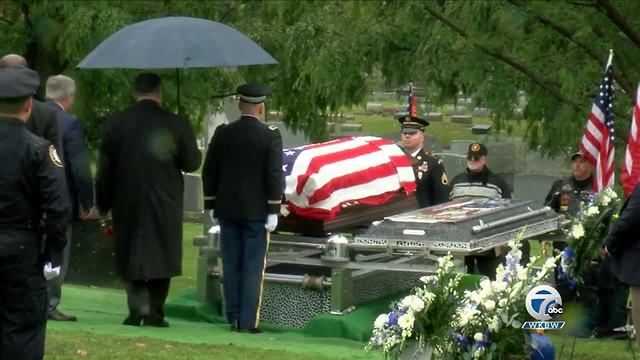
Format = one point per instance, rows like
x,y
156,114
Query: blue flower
x,y
568,254
393,318
462,340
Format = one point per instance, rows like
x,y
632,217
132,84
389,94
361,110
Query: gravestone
x,y
192,200
454,164
502,160
331,127
351,127
434,116
532,186
481,112
373,108
460,147
462,119
480,129
92,261
290,139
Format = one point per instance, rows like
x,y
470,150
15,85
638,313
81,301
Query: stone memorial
x,y
373,108
481,112
434,116
351,127
462,119
532,186
460,147
454,164
481,129
192,200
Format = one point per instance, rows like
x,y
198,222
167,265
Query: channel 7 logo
x,y
544,303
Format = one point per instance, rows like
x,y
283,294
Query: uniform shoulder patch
x,y
444,179
273,127
53,156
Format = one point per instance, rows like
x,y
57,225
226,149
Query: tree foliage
x,y
500,52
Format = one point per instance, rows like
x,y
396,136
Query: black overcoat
x,y
143,151
623,241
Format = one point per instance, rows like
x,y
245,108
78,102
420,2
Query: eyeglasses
x,y
473,157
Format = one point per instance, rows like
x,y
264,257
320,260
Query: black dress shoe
x,y
56,315
132,320
156,323
254,331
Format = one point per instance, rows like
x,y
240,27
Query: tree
x,y
498,51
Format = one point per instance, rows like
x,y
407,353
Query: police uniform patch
x,y
53,156
444,179
272,127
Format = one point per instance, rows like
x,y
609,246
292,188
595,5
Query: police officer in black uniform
x,y
602,294
242,179
431,178
32,187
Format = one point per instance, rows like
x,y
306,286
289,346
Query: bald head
x,y
12,61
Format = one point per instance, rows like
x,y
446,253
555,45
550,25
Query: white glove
x,y
51,272
272,222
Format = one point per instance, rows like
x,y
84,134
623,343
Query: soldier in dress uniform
x,y
431,178
242,179
32,186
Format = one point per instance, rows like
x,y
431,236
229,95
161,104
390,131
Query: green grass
x,y
445,130
74,345
67,343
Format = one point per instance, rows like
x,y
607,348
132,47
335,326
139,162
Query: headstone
x,y
351,127
192,200
331,127
290,138
348,117
435,116
481,112
462,119
389,110
481,129
373,108
532,186
92,261
502,160
454,164
460,147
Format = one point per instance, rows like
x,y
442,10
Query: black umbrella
x,y
176,42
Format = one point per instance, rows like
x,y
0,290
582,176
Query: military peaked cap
x,y
412,124
253,93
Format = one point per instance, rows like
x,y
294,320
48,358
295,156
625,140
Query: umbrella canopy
x,y
176,42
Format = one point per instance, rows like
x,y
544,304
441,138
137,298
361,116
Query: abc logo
x,y
543,302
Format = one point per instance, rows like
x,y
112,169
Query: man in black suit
x,y
60,92
143,152
242,179
42,120
623,245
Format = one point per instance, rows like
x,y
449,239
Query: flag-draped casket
x,y
320,179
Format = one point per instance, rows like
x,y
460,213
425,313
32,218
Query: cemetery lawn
x,y
64,342
445,130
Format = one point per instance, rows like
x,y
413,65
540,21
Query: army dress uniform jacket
x,y
431,179
242,175
143,152
31,184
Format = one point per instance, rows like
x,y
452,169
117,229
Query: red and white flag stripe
x,y
320,178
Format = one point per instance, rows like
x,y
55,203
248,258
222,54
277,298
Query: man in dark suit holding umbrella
x,y
143,152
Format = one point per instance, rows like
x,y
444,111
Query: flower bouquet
x,y
586,233
490,318
426,316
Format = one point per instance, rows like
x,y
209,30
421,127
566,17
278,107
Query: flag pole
x,y
610,59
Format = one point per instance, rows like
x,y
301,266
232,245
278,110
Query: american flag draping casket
x,y
321,178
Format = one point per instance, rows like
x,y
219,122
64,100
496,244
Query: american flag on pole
x,y
631,167
412,109
597,142
320,178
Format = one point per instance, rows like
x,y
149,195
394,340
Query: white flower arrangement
x,y
586,232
